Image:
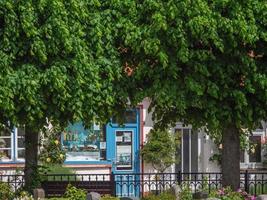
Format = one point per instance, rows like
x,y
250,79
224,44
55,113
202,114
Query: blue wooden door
x,y
123,147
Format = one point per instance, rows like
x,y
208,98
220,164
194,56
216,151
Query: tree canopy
x,y
202,62
58,61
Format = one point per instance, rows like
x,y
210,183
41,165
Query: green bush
x,y
52,151
156,152
73,193
6,192
161,196
109,198
58,169
24,195
186,193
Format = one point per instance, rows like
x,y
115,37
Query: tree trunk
x,y
231,157
31,158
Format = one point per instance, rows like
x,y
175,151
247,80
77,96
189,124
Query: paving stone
x,y
200,195
39,194
262,197
93,196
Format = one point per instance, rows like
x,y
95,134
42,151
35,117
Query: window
x,y
255,153
242,156
12,145
124,145
6,144
84,144
252,158
20,143
187,149
129,117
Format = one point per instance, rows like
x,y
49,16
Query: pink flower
x,y
239,190
221,192
253,198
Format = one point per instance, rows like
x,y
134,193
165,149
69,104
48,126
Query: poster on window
x,y
124,150
127,137
124,157
82,144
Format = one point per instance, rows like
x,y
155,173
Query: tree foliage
x,y
202,62
58,62
159,150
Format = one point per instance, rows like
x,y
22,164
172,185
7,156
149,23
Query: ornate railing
x,y
138,184
15,181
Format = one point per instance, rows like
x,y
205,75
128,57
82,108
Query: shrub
x,y
6,192
186,193
161,196
109,198
58,169
23,195
156,152
150,197
73,193
51,151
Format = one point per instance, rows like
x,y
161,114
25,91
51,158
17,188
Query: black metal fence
x,y
254,183
15,181
56,184
138,184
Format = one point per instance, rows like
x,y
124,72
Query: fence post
x,y
179,178
113,184
247,181
157,192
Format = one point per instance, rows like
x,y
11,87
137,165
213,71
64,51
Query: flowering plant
x,y
228,194
52,152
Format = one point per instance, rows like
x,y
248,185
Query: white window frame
x,y
247,164
13,147
17,146
132,148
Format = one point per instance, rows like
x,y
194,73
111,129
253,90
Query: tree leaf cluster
x,y
200,62
159,150
58,62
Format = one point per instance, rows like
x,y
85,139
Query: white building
x,y
113,148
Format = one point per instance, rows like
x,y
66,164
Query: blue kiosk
x,y
113,144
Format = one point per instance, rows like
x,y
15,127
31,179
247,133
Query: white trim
x,y
16,143
190,150
199,151
11,148
182,150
